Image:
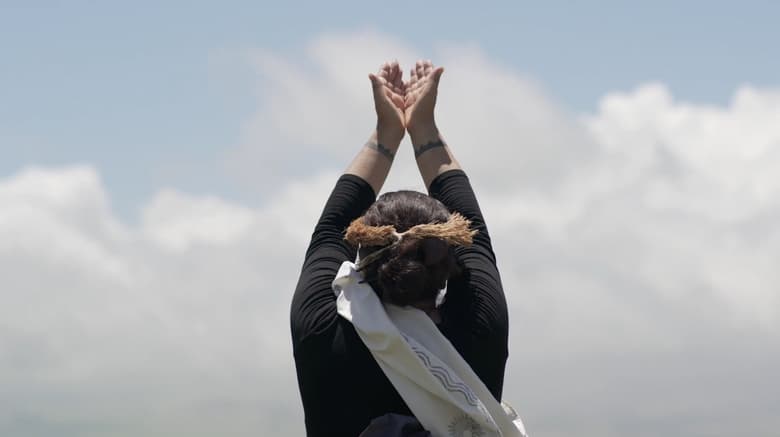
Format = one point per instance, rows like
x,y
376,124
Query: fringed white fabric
x,y
439,386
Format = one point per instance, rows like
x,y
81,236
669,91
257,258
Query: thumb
x,y
375,82
437,74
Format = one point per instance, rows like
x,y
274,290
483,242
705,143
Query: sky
x,y
163,165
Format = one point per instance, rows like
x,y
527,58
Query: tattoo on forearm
x,y
426,147
381,149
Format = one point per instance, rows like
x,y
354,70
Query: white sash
x,y
439,386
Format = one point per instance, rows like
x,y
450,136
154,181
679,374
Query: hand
x,y
420,97
389,91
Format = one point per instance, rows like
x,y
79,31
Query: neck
x,y
429,307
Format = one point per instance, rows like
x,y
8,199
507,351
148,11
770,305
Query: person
x,y
342,386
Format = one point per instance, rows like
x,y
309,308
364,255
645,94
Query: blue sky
x,y
151,93
625,155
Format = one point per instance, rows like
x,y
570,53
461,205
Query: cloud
x,y
637,247
313,109
170,326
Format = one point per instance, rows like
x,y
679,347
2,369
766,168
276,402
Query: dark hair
x,y
415,269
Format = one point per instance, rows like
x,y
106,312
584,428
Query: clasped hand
x,y
402,106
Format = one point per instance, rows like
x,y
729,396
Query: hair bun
x,y
433,251
415,272
403,280
417,267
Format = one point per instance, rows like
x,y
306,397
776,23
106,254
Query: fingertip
x,y
374,80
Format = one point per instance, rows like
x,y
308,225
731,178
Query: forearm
x,y
372,163
433,155
453,189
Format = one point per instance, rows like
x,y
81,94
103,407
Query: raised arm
x,y
435,160
373,162
431,152
475,301
313,308
433,155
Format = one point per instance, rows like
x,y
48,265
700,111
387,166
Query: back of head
x,y
415,269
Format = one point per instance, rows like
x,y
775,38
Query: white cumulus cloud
x,y
637,246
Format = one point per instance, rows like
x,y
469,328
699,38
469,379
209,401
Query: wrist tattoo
x,y
381,149
426,147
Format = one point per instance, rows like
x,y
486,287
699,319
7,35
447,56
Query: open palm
x,y
389,90
420,96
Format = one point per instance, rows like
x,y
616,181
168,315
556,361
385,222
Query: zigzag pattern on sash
x,y
445,379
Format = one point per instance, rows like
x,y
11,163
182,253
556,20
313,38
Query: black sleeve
x,y
476,296
314,304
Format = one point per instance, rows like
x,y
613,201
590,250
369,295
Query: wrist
x,y
388,138
424,134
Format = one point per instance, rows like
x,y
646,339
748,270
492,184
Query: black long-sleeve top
x,y
341,385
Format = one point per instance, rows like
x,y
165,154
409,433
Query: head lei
x,y
455,231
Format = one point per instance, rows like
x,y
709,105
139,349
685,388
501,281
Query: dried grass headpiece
x,y
454,231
